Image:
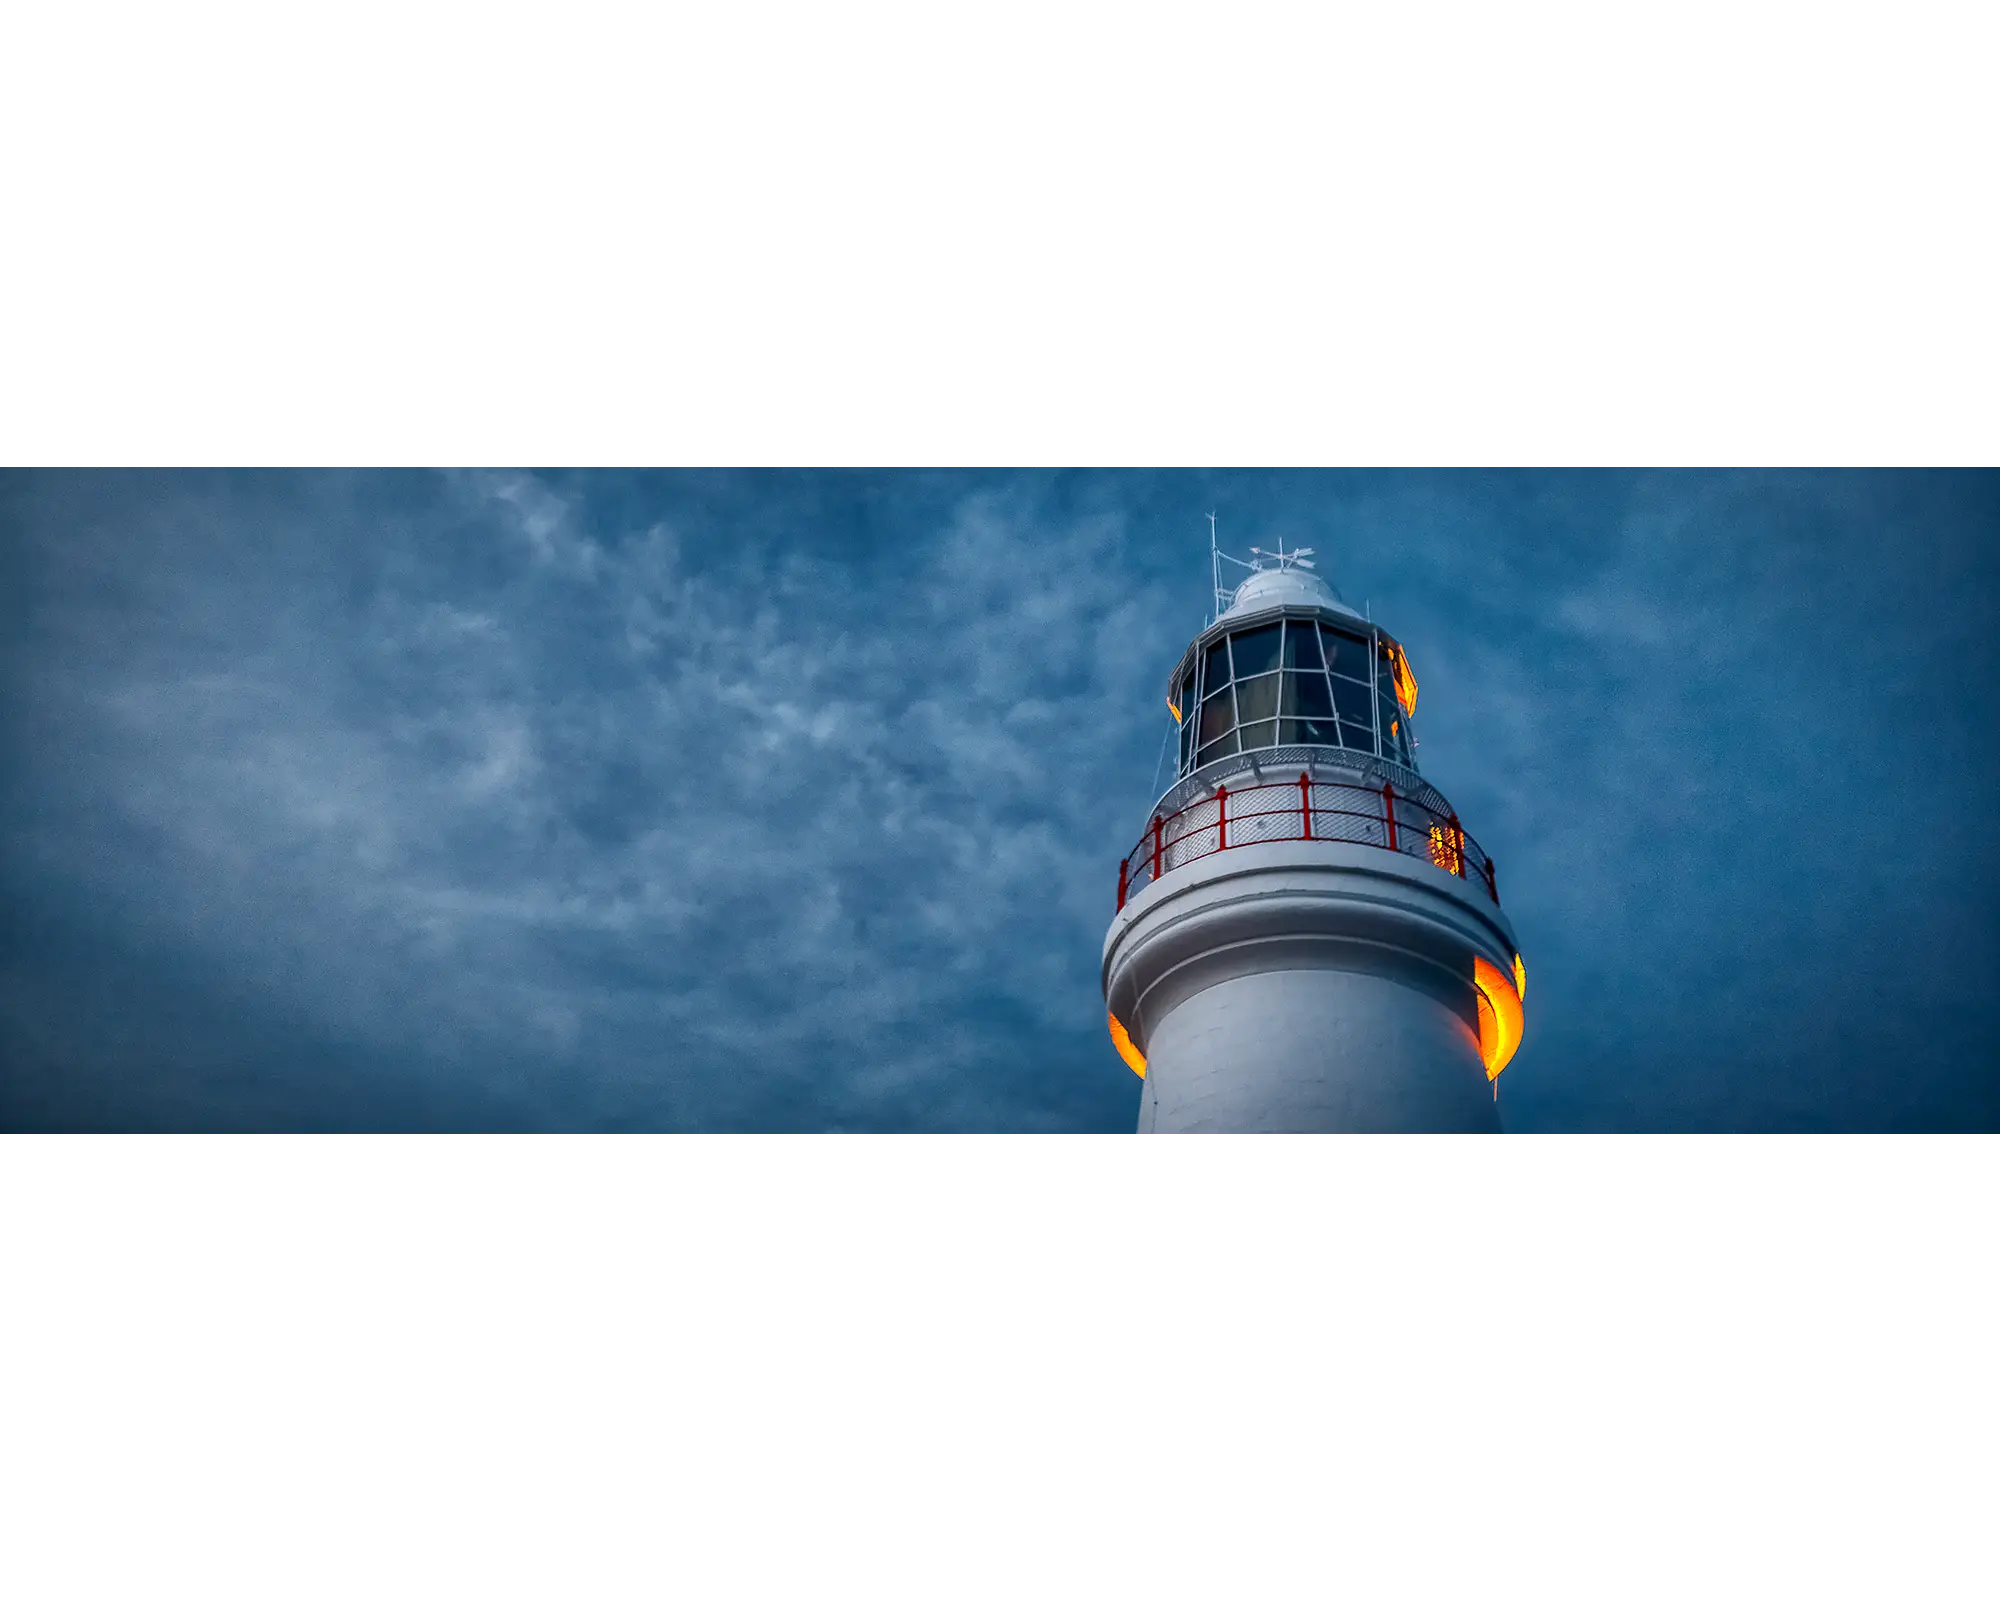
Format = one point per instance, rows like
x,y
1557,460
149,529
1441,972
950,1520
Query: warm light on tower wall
x,y
1128,1052
1500,1016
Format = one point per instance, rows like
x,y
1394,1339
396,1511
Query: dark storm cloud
x,y
778,800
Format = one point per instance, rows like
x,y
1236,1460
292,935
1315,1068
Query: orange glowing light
x,y
1500,1018
1444,851
1126,1048
1520,977
1176,710
1406,682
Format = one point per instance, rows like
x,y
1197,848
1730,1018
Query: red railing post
x,y
1306,802
1222,817
1458,846
1156,849
1124,868
1389,807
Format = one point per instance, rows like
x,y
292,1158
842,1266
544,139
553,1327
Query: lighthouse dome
x,y
1285,586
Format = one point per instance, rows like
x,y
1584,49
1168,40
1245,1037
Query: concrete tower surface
x,y
1307,940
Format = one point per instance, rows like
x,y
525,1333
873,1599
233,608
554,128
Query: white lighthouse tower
x,y
1307,939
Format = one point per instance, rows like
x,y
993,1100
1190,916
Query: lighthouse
x,y
1307,938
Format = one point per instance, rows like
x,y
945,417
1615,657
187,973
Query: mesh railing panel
x,y
1349,827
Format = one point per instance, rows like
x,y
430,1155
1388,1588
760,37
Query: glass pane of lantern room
x,y
1218,716
1351,699
1396,739
1346,654
1301,644
1257,698
1259,735
1256,651
1216,671
1305,695
1225,746
1391,722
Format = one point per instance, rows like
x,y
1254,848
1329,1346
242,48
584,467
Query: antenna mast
x,y
1214,568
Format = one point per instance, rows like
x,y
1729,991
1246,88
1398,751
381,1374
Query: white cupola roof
x,y
1285,586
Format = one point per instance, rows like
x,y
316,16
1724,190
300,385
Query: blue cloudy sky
x,y
776,800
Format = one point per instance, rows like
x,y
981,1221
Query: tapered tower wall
x,y
1315,1051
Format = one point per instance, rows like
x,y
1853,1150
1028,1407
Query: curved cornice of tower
x,y
1279,906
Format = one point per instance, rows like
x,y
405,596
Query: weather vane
x,y
1261,561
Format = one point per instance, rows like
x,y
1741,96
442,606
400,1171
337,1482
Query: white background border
x,y
997,1366
1720,234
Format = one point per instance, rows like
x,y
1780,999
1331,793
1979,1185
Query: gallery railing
x,y
1266,813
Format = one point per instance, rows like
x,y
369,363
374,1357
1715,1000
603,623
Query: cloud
x,y
625,816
